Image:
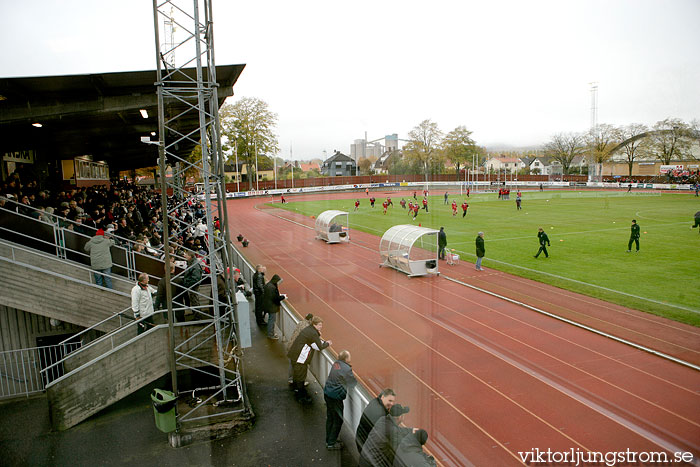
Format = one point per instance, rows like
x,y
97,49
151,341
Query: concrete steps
x,y
55,295
91,384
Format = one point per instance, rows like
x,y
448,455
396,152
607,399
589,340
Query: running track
x,y
487,378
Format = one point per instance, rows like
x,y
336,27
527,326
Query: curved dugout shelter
x,y
411,249
332,226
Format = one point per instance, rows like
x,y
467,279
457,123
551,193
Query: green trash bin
x,y
164,410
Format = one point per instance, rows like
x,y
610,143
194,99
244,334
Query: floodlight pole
x,y
164,207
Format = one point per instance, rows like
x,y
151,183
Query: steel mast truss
x,y
212,348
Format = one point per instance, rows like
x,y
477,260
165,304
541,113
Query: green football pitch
x,y
588,231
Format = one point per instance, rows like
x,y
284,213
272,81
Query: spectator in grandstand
x,y
300,354
100,258
410,451
634,236
259,291
442,242
376,409
191,279
301,325
340,380
480,250
544,242
142,302
272,298
697,221
384,439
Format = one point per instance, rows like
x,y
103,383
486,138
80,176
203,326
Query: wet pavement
x,y
284,432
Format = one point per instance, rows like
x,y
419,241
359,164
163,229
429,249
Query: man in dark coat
x,y
376,409
480,250
340,380
697,220
191,279
442,243
259,292
300,354
380,448
544,242
272,298
410,452
634,236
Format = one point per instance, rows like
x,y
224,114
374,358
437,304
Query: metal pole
x,y
257,177
238,169
164,205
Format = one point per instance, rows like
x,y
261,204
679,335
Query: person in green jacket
x,y
544,242
634,236
99,248
480,250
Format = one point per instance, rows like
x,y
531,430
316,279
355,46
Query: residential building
x,y
339,165
507,164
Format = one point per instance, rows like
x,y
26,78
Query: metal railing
x,y
88,277
358,398
52,238
22,372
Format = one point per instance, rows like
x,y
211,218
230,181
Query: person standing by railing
x,y
101,258
340,380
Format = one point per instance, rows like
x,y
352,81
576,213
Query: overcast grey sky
x,y
513,72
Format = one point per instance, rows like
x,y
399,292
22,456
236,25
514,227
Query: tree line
x,y
248,134
667,140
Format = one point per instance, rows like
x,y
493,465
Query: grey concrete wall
x,y
118,372
54,295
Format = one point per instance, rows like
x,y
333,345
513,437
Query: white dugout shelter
x,y
410,249
332,226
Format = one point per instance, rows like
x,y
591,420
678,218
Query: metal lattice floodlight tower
x,y
188,92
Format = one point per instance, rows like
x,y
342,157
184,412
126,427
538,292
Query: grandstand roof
x,y
93,114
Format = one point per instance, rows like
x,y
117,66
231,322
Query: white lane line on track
x,y
574,323
582,326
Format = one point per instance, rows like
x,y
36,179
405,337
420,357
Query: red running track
x,y
487,378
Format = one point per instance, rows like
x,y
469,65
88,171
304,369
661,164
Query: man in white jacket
x,y
142,301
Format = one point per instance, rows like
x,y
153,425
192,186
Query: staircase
x,y
96,378
48,286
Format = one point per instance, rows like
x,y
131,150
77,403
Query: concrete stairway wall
x,y
101,381
59,297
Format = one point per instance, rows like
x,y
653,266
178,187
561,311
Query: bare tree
x,y
423,144
601,140
563,147
671,139
634,144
